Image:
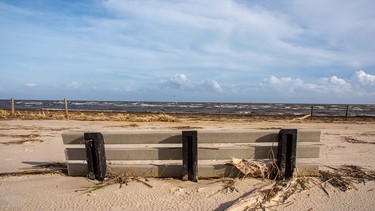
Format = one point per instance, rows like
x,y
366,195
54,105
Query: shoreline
x,y
85,115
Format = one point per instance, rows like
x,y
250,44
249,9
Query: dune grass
x,y
86,116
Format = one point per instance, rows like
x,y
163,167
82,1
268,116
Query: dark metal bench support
x,y
286,153
190,155
96,161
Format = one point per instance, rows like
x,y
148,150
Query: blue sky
x,y
292,51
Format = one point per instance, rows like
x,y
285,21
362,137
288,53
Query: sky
x,y
254,51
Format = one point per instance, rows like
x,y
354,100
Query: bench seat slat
x,y
165,153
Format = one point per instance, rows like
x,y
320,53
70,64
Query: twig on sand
x,y
114,178
255,199
352,140
229,185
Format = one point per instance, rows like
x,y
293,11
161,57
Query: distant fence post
x,y
347,112
220,111
312,113
12,111
66,109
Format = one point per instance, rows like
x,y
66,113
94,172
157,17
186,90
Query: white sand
x,y
57,192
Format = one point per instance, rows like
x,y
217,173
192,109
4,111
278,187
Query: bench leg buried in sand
x,y
190,155
96,160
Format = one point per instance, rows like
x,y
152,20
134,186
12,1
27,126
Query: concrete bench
x,y
160,153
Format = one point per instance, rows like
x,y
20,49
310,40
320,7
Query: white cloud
x,y
74,85
323,86
333,84
31,85
332,88
338,81
182,82
286,85
364,80
213,85
287,81
178,80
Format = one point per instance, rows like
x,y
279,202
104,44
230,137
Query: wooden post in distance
x,y
12,111
347,112
66,109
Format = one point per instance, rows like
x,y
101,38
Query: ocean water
x,y
197,107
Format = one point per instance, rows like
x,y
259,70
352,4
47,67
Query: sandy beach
x,y
26,143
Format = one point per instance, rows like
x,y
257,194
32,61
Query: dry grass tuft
x,y
87,116
50,168
352,140
4,113
186,127
229,185
344,177
115,178
251,168
28,138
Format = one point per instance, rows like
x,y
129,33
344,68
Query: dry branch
x,y
352,140
251,168
345,177
114,178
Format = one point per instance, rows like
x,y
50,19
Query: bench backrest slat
x,y
204,136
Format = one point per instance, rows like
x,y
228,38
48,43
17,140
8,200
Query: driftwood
x,y
255,199
251,168
302,118
342,178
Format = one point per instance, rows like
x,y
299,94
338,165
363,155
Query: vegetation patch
x,y
21,139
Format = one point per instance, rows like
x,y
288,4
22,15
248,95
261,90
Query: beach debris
x,y
229,185
352,140
26,138
302,118
49,168
87,116
255,199
251,168
345,176
274,194
115,178
177,190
